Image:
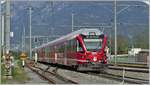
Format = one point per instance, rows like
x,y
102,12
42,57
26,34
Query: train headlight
x,y
94,59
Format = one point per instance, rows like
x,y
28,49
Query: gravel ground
x,y
82,78
34,78
85,78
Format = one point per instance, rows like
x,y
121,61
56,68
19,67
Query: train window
x,y
73,45
47,52
101,36
43,52
79,47
68,45
60,48
93,44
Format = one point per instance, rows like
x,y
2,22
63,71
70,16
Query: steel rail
x,y
129,69
58,76
41,75
37,70
120,78
132,65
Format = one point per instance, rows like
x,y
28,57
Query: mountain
x,y
54,18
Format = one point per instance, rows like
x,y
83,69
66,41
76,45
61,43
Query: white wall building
x,y
134,51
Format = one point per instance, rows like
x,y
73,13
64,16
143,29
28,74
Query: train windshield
x,y
93,44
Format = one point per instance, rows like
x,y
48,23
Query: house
x,y
134,51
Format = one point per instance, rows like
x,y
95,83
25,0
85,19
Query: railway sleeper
x,y
55,70
47,69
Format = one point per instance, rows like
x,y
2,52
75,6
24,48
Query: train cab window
x,y
93,43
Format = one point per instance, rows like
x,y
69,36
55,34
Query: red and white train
x,y
84,49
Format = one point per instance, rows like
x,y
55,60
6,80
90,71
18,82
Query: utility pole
x,y
110,43
72,23
149,36
2,34
30,34
7,31
0,42
23,39
115,27
53,18
22,42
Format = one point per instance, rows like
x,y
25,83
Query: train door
x,y
47,54
43,54
65,53
79,47
80,54
52,54
60,53
55,53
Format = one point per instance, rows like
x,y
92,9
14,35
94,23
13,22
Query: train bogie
x,y
91,67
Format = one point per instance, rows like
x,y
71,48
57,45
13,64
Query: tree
x,y
141,39
122,45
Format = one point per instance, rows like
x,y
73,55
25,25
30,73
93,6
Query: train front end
x,y
94,49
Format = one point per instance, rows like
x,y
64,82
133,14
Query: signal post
x,y
23,57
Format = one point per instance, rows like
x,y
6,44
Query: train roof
x,y
69,37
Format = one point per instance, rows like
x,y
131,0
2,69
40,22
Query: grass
x,y
2,72
19,75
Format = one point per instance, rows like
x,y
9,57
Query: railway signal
x,y
23,57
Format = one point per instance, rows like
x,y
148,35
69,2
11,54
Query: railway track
x,y
125,79
132,65
128,68
51,77
131,74
141,70
50,81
